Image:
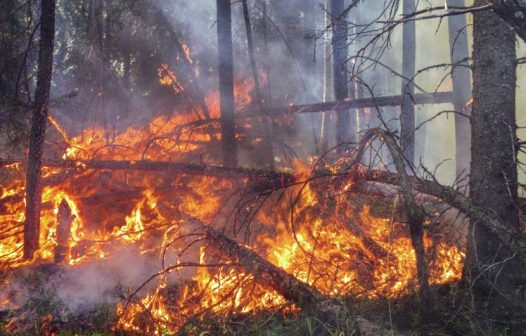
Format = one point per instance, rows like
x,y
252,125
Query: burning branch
x,y
370,244
270,179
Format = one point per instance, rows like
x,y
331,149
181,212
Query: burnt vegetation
x,y
262,167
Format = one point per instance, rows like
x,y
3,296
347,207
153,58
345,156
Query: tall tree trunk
x,y
327,80
226,82
340,50
38,128
407,115
268,151
458,41
493,184
353,87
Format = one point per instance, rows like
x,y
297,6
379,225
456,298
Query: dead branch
x,y
449,195
415,218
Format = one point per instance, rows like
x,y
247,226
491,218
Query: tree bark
x,y
38,129
460,75
407,113
514,13
493,183
340,50
226,82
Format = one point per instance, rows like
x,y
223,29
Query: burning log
x,y
64,220
265,179
267,274
264,272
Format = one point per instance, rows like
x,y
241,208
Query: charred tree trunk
x,y
38,128
64,221
407,115
341,86
226,82
266,62
10,48
491,266
458,41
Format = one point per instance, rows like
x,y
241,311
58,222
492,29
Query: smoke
x,y
83,287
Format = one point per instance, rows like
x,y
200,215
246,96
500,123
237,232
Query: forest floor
x,y
44,314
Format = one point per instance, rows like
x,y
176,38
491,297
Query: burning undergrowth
x,y
165,242
118,242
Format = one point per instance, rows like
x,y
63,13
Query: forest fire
x,y
261,167
310,240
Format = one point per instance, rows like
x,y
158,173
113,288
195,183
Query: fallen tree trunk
x,y
306,297
269,179
417,99
264,272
